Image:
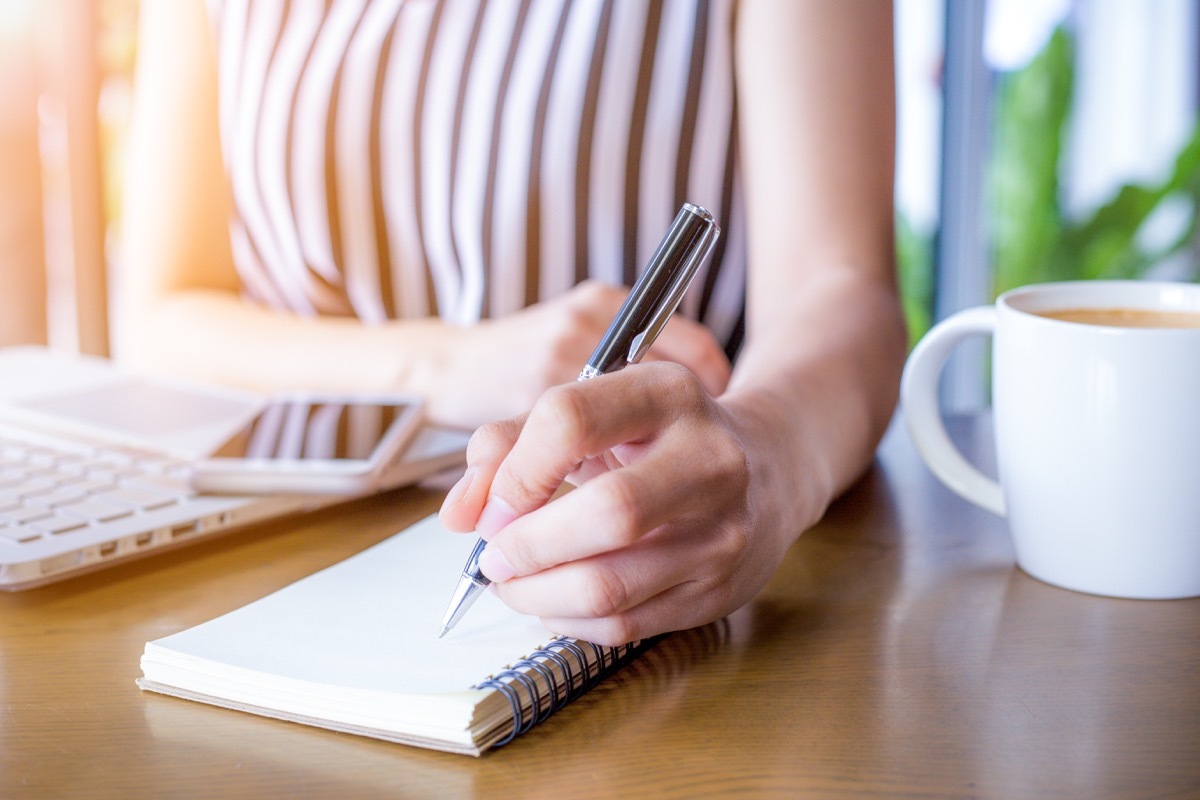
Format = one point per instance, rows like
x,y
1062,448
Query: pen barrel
x,y
657,293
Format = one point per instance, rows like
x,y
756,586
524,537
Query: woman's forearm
x,y
216,336
818,389
468,375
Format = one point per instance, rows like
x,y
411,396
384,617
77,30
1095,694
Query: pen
x,y
643,315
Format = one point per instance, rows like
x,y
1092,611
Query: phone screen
x,y
315,430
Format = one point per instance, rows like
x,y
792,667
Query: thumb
x,y
569,425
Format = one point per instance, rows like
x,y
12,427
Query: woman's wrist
x,y
430,358
792,484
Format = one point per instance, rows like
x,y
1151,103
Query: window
x,y
1068,149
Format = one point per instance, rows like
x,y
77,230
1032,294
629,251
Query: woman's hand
x,y
545,345
672,524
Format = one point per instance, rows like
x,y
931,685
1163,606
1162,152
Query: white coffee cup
x,y
1097,431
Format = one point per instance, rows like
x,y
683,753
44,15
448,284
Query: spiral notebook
x,y
354,648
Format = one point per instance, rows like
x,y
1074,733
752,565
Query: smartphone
x,y
321,444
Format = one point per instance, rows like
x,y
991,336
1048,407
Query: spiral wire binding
x,y
575,676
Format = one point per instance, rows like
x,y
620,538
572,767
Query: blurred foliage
x,y
1033,239
914,258
1031,236
1031,115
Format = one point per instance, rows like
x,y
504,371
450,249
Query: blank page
x,y
371,623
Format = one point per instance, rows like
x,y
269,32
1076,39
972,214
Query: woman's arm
x,y
181,311
180,308
686,503
826,339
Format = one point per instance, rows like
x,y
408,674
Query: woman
x,y
447,197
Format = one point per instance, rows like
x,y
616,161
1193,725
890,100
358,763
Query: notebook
x,y
93,465
354,648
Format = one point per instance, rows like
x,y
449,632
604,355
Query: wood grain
x,y
897,652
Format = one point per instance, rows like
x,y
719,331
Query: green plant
x,y
1032,239
914,260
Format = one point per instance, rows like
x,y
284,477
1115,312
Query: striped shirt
x,y
466,158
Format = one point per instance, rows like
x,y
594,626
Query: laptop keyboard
x,y
50,488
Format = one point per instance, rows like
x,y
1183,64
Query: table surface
x,y
897,652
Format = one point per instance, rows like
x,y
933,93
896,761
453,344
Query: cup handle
x,y
919,403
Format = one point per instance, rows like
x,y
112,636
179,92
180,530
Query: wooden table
x,y
896,652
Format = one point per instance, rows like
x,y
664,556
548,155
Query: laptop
x,y
94,463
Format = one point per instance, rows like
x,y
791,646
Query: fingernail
x,y
495,565
496,514
458,490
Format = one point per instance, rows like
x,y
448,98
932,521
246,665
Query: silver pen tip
x,y
445,630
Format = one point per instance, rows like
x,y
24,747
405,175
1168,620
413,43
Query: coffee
x,y
1126,317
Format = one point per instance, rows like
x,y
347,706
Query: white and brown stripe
x,y
465,158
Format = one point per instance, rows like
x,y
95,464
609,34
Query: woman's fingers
x,y
573,423
659,512
616,509
618,580
684,605
661,425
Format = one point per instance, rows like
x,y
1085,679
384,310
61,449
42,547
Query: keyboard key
x,y
137,497
95,463
91,485
32,471
117,458
18,534
44,459
58,523
71,465
96,510
63,495
156,464
111,475
177,486
34,486
11,477
25,513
